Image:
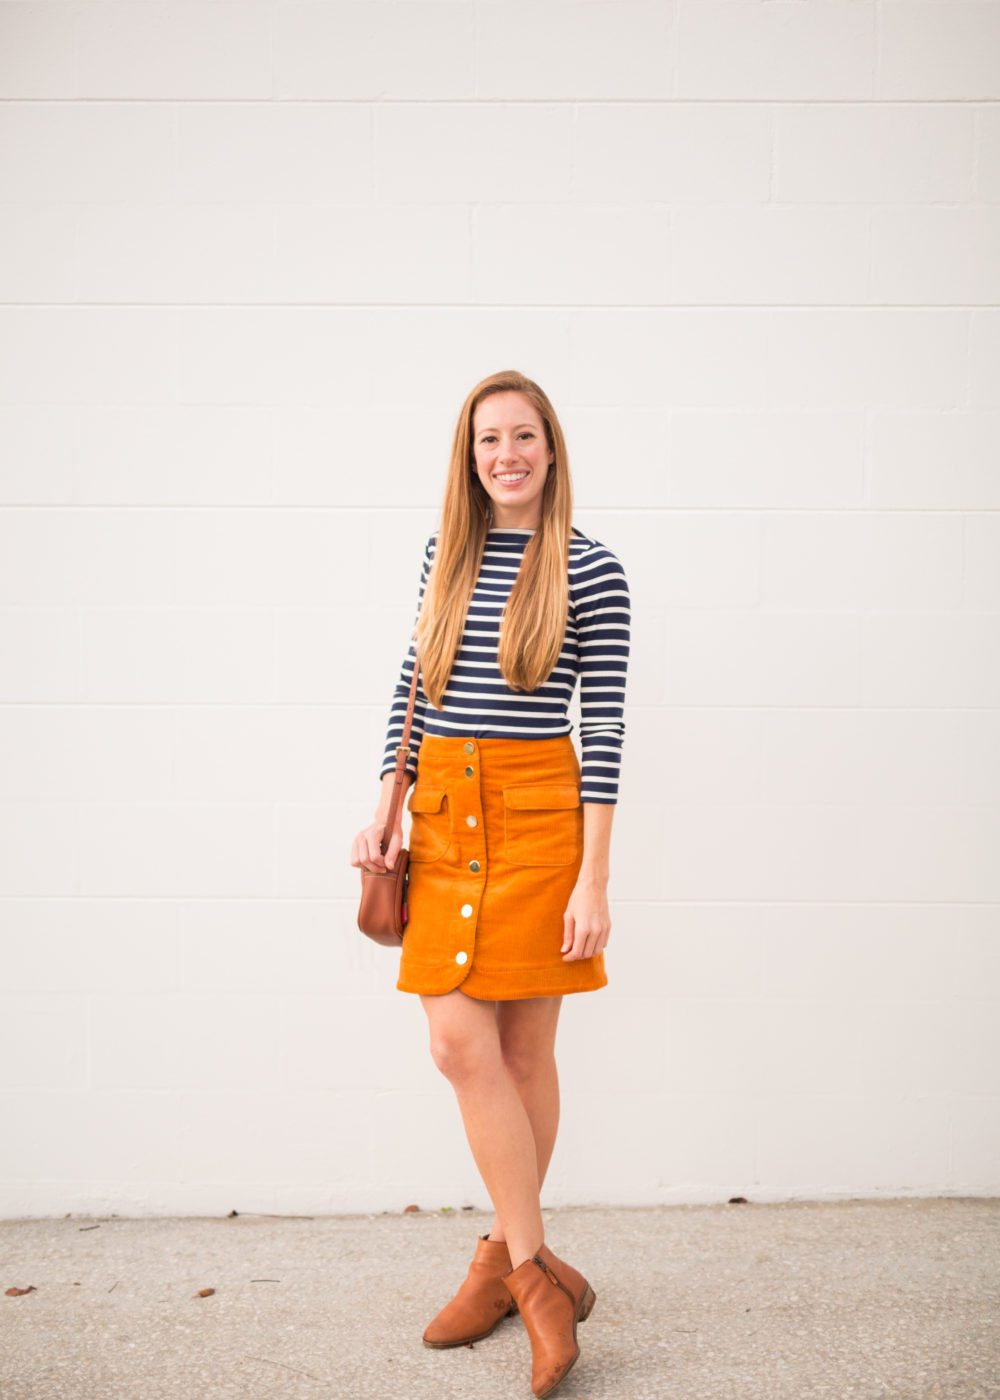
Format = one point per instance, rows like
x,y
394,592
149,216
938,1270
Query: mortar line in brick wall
x,y
538,101
479,306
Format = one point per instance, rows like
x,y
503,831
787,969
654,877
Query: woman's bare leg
x,y
466,1047
528,1046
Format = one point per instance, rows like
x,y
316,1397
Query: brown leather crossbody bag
x,y
382,915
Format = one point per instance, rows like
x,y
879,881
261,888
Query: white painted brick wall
x,y
252,257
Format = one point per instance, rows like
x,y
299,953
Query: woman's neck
x,y
515,520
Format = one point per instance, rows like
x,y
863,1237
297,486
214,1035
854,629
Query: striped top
x,y
477,700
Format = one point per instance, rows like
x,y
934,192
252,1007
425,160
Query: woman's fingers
x,y
583,940
366,848
574,939
393,848
375,857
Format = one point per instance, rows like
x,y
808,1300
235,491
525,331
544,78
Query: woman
x,y
510,837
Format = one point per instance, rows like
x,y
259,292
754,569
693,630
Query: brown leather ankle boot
x,y
552,1297
481,1302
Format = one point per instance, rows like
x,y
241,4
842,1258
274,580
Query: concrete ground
x,y
853,1300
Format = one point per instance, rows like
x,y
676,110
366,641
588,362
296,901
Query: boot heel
x,y
586,1304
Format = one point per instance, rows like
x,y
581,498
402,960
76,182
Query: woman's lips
x,y
499,479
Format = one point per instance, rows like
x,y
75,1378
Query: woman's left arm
x,y
599,599
587,920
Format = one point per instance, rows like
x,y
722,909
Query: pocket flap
x,y
425,799
544,796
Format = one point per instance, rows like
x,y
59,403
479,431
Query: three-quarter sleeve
x,y
601,607
401,694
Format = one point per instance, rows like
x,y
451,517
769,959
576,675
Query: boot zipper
x,y
546,1270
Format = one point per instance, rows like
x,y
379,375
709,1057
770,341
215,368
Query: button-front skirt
x,y
496,843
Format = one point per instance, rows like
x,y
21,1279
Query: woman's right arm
x,y
365,850
401,695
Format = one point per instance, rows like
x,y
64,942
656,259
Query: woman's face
x,y
512,458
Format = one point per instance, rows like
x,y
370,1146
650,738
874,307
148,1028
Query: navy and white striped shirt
x,y
477,700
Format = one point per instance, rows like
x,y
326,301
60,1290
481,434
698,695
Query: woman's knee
x,y
526,1060
461,1058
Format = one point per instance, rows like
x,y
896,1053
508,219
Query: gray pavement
x,y
852,1300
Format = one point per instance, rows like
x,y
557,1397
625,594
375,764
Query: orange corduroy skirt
x,y
496,842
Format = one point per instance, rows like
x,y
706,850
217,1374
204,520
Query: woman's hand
x,y
587,920
365,852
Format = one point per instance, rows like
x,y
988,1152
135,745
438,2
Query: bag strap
x,y
402,754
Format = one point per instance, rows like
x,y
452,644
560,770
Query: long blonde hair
x,y
533,624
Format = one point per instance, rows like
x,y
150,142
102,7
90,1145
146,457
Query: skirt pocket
x,y
430,828
543,823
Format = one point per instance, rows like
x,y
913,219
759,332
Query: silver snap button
x,y
473,865
466,910
469,772
470,748
461,957
471,821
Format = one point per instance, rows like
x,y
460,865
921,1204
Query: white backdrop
x,y
252,258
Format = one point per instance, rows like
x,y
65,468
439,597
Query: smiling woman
x,y
511,831
512,458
